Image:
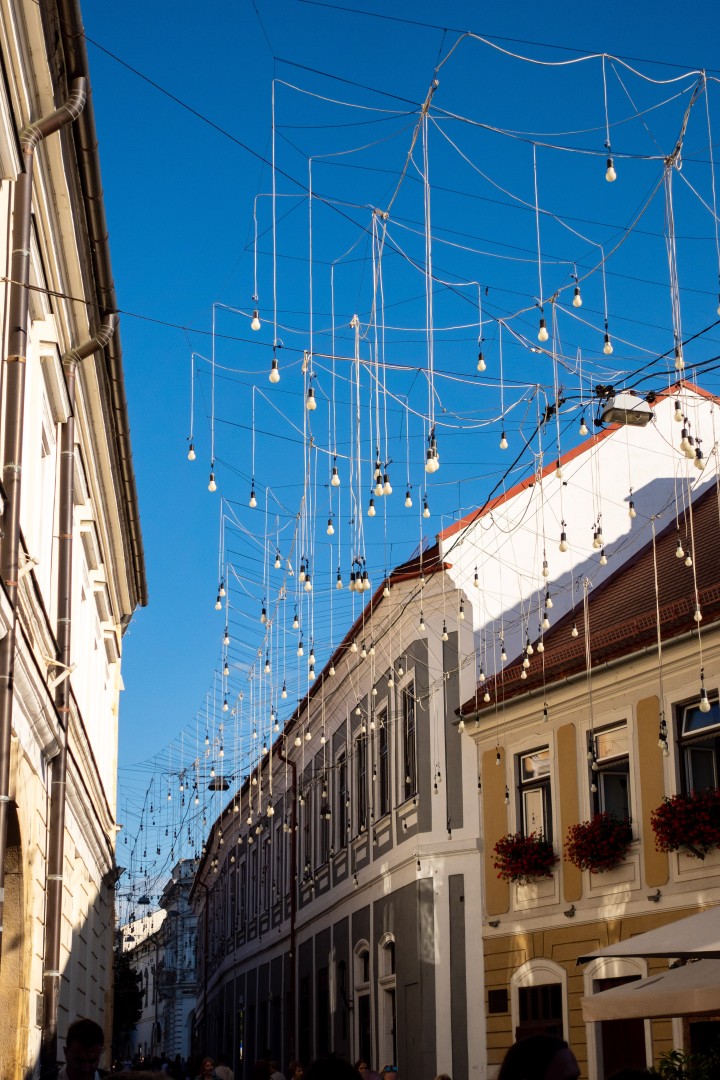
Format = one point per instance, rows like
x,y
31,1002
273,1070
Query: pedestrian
x,y
539,1057
275,1073
296,1070
83,1050
365,1071
222,1068
331,1068
207,1070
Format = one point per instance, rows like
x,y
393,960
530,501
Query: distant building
x,y
162,947
346,896
71,558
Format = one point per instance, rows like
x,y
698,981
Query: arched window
x,y
387,1012
363,1015
538,991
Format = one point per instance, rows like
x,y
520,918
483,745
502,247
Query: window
x,y
409,740
387,1003
324,822
343,802
361,986
361,781
383,765
534,792
540,1010
610,774
699,746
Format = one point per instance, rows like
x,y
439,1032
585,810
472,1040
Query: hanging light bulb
x,y
632,512
503,654
610,174
225,705
191,452
267,663
688,560
679,551
351,586
503,441
310,402
330,527
255,324
545,568
371,650
486,695
226,637
607,347
331,669
481,365
300,649
548,600
363,651
353,646
400,670
563,545
678,414
679,361
481,675
684,439
221,587
378,489
461,611
526,662
603,557
283,692
386,589
583,425
476,579
367,584
252,502
277,563
699,461
545,622
528,647
426,508
218,603
371,508
311,674
308,735
338,580
274,375
542,332
574,631
263,615
408,499
226,669
335,478
704,705
690,452
387,486
298,742
461,726
444,632
558,469
212,486
577,298
698,614
296,621
422,621
598,538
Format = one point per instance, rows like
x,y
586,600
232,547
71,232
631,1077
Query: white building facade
x,y
71,556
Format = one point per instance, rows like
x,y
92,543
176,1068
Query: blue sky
x,y
180,191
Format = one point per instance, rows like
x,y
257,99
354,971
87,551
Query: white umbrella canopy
x,y
692,990
697,937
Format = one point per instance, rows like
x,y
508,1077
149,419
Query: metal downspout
x,y
18,313
56,827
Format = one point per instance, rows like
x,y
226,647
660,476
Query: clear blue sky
x,y
179,190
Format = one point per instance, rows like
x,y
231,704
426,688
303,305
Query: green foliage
x,y
681,1065
127,997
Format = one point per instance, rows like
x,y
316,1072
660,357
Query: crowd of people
x,y
539,1057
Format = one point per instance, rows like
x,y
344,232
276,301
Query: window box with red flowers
x,y
523,859
689,821
598,845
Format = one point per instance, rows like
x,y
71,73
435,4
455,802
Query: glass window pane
x,y
701,768
694,720
614,791
612,743
535,765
